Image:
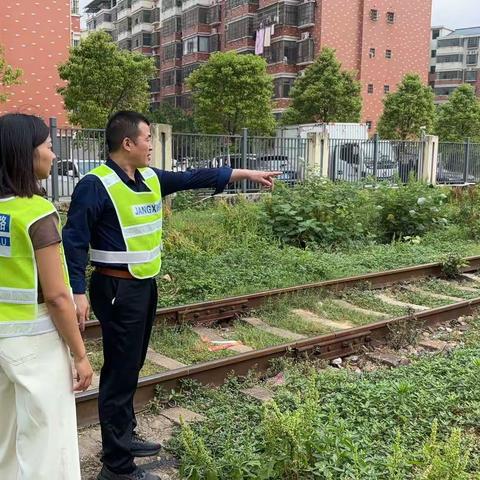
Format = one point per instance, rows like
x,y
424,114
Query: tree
x,y
459,118
408,111
325,93
102,79
230,92
8,75
180,120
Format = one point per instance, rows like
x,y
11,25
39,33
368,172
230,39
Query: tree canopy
x,y
101,79
408,111
324,93
230,92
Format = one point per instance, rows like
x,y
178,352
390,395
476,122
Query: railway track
x,y
328,346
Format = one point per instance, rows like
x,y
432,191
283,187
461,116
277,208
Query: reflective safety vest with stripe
x,y
140,218
19,312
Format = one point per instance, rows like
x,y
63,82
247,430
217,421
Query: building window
x,y
434,53
372,53
369,124
281,14
386,89
370,88
390,17
195,16
373,14
171,26
388,54
435,33
444,91
450,75
450,42
283,51
282,87
196,44
433,69
450,59
75,7
240,29
471,76
305,51
306,14
472,42
472,59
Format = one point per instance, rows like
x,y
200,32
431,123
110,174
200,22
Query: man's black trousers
x,y
126,310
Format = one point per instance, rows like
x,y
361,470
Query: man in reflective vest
x,y
116,212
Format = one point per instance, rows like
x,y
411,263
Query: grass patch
x,y
183,344
410,423
253,337
278,312
420,298
367,299
453,289
95,356
335,312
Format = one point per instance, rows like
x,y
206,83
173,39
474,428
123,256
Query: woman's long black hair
x,y
20,135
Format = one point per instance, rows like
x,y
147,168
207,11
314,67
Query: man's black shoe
x,y
143,448
138,474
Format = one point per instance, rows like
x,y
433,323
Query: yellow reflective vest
x,y
19,313
140,218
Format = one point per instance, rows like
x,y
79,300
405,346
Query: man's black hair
x,y
20,135
121,125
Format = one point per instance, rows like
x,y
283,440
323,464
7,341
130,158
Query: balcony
x,y
138,4
306,15
108,26
142,27
305,51
124,13
124,35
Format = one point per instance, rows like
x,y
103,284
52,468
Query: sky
x,y
456,13
451,13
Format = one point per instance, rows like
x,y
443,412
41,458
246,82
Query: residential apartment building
x,y
454,60
381,40
36,37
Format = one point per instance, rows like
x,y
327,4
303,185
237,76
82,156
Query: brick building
x,y
381,39
454,60
36,37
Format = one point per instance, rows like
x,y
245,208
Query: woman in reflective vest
x,y
38,327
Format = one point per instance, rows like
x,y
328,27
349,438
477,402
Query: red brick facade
x,y
36,37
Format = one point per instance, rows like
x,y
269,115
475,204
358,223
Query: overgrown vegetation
x,y
415,422
315,231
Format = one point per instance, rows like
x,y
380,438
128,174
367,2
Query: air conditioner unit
x,y
214,30
305,35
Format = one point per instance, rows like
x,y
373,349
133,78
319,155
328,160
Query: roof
x,y
465,32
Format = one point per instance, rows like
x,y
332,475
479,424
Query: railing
x,y
355,160
458,162
78,151
287,155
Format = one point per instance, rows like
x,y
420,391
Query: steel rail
x,y
327,346
210,312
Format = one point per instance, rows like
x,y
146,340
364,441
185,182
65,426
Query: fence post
x,y
318,153
56,150
162,146
375,154
244,155
428,167
466,160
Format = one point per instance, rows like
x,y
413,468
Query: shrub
x,y
321,213
410,210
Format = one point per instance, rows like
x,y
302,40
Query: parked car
x,y
355,161
266,162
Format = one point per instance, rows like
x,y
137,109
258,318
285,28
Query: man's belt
x,y
112,272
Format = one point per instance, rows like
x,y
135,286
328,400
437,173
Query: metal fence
x,y
78,151
458,162
355,160
287,155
